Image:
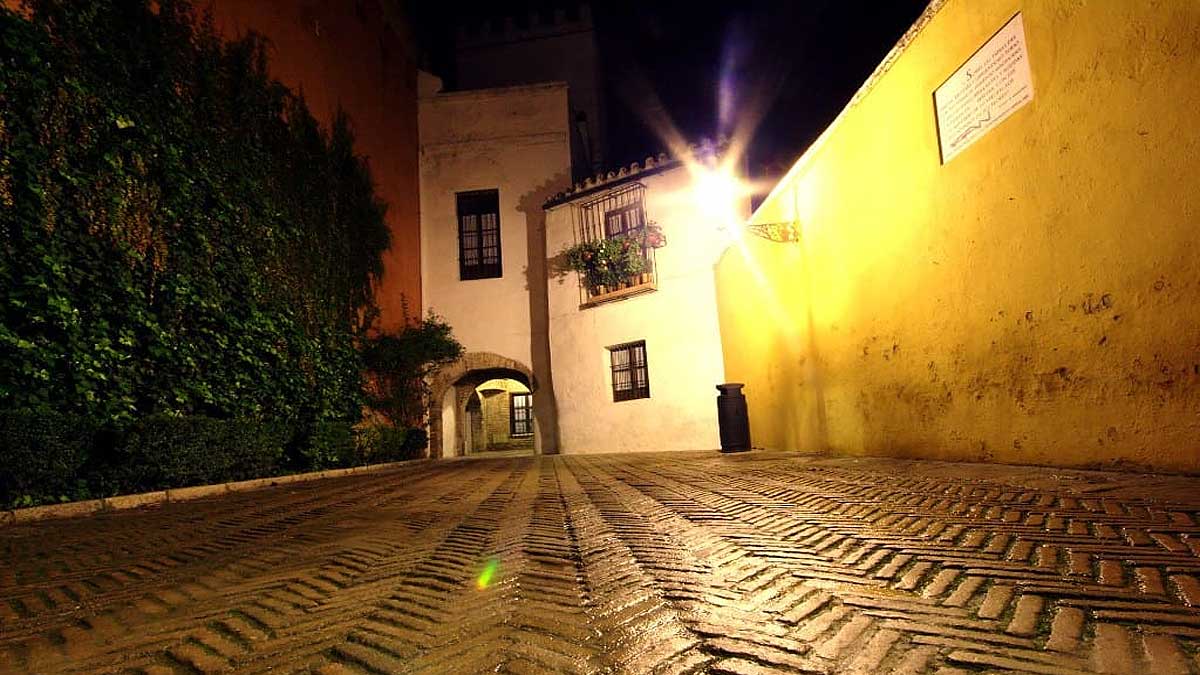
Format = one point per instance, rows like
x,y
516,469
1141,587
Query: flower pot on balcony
x,y
618,262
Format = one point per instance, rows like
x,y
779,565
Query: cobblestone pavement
x,y
680,563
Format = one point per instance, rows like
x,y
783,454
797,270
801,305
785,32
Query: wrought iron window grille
x,y
630,371
618,213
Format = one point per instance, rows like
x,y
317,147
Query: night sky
x,y
790,66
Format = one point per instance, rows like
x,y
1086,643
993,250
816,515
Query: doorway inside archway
x,y
488,413
499,418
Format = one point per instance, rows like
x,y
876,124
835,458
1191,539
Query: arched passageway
x,y
482,403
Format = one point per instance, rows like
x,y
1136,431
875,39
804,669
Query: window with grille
x,y
479,235
630,372
625,221
619,214
612,214
520,415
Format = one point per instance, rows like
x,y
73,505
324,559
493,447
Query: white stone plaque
x,y
989,87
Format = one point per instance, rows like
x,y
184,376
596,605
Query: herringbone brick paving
x,y
657,563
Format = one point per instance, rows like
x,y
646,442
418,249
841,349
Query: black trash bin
x,y
733,418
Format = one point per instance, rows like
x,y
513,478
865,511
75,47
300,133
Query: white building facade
x,y
489,160
629,368
635,368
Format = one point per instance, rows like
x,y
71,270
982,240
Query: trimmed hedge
x,y
330,445
389,444
41,455
48,457
169,451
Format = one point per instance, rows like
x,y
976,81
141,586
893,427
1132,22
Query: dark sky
x,y
791,65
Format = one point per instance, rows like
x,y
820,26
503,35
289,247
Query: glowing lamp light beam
x,y
718,192
716,195
488,573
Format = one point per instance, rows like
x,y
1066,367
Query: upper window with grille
x,y
625,221
479,235
630,371
619,214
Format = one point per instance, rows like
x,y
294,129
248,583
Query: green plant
x,y
42,454
330,445
48,457
256,447
605,262
178,234
652,236
187,257
165,451
399,364
416,441
391,444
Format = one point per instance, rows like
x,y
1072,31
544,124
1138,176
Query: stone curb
x,y
134,501
122,502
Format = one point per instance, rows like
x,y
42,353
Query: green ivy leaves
x,y
177,233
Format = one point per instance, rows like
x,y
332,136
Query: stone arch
x,y
463,376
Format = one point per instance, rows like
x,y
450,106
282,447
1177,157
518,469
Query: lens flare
x,y
488,573
716,195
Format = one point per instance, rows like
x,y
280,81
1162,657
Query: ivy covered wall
x,y
359,56
178,234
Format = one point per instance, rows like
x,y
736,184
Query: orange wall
x,y
345,52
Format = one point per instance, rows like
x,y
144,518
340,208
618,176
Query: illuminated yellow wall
x,y
1035,300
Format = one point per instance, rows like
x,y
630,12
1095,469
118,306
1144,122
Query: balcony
x,y
636,285
614,253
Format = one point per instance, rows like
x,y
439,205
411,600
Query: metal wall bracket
x,y
781,233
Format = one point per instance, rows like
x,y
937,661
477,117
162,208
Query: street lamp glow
x,y
716,192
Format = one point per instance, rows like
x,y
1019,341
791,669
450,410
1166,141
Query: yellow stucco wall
x,y
1035,300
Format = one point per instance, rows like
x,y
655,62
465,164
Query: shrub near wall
x,y
49,457
336,445
45,456
165,451
178,236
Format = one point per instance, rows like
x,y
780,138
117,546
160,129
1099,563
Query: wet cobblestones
x,y
672,563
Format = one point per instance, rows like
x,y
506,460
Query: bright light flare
x,y
718,195
489,572
719,192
